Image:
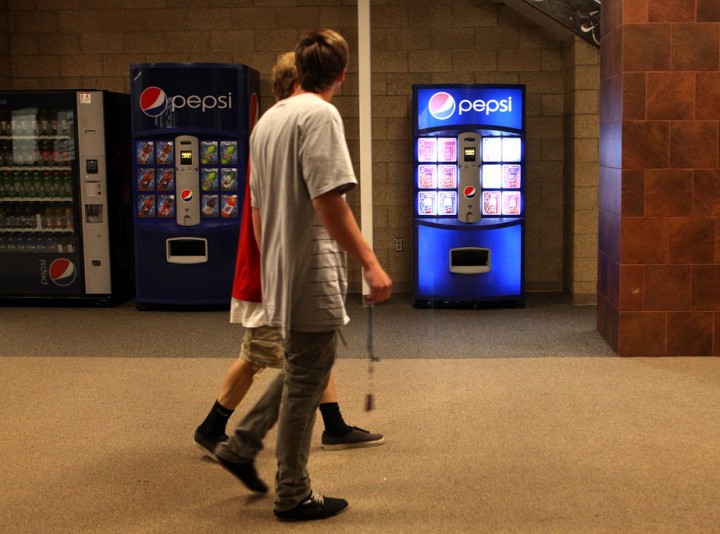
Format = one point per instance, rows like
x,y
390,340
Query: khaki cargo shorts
x,y
263,347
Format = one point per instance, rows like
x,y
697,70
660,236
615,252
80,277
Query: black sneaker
x,y
314,507
208,443
357,437
245,472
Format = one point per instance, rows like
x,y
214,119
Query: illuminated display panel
x,y
186,157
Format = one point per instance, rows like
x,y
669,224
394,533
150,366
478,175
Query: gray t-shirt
x,y
297,153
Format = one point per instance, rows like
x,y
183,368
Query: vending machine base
x,y
462,265
174,274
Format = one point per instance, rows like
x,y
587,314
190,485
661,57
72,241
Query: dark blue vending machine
x,y
469,184
191,124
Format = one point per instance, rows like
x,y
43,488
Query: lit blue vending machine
x,y
469,188
191,124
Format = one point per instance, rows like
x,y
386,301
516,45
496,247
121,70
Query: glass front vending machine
x,y
65,201
469,188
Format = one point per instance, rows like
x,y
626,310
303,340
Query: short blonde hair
x,y
283,76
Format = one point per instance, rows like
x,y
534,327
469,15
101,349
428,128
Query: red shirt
x,y
247,285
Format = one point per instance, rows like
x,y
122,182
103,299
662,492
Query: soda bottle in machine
x,y
230,204
146,207
144,153
166,206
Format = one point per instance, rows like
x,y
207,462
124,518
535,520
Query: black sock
x,y
216,421
333,419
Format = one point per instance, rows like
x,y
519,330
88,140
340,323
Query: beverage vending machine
x,y
469,183
65,200
191,124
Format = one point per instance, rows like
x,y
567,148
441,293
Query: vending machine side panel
x,y
120,201
92,165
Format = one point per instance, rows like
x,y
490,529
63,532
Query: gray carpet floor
x,y
549,325
480,437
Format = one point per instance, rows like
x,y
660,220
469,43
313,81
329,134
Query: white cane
x,y
369,400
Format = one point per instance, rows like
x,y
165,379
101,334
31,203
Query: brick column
x,y
659,195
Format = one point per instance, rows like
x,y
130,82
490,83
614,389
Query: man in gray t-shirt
x,y
301,170
299,153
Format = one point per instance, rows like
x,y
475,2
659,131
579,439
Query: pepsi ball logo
x,y
186,195
153,101
62,272
469,192
441,105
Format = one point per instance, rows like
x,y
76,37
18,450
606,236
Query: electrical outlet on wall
x,y
398,244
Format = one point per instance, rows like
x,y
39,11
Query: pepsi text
x,y
204,103
490,106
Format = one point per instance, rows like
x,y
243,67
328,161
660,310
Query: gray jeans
x,y
291,399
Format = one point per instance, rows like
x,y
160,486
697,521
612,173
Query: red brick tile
x,y
668,95
695,47
717,241
708,11
609,234
691,240
636,11
609,189
611,17
610,146
641,334
694,144
690,334
706,193
611,100
607,322
634,89
609,279
644,240
668,193
646,47
666,287
611,55
707,94
646,145
671,10
706,287
633,193
631,288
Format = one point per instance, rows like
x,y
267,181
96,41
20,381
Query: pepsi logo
x,y
186,195
469,192
62,272
153,101
441,106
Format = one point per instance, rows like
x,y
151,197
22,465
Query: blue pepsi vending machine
x,y
469,186
191,125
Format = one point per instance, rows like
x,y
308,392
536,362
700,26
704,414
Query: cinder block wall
x,y
83,43
465,42
582,130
